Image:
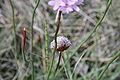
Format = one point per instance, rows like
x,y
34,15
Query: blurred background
x,y
75,26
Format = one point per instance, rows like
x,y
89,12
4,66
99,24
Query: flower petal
x,y
51,3
76,8
79,2
56,6
62,3
65,1
71,2
69,9
66,9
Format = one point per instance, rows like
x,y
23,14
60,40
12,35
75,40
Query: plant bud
x,y
62,43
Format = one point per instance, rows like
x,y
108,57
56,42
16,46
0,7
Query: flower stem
x,y
14,29
31,42
113,58
60,55
58,26
31,27
46,46
33,70
91,33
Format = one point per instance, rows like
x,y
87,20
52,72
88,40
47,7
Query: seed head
x,y
62,43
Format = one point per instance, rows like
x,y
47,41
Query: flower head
x,y
66,6
62,43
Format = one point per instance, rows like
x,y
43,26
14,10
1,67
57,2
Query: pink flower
x,y
66,6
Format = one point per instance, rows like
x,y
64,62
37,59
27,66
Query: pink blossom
x,y
66,6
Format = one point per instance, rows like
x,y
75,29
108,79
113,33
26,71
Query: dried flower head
x,y
66,6
62,43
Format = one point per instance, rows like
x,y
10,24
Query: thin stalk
x,y
58,26
46,46
14,29
31,42
33,70
75,67
107,66
66,69
31,27
91,33
60,55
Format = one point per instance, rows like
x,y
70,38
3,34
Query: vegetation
x,y
27,28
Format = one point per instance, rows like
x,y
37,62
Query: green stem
x,y
31,27
58,26
91,33
46,46
14,29
31,42
33,70
113,58
24,56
